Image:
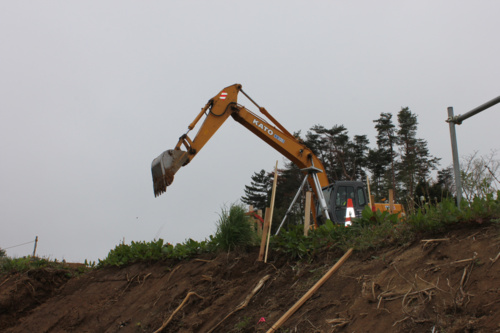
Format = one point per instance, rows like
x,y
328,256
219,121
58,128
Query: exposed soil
x,y
451,284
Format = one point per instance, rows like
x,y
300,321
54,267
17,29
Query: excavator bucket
x,y
164,167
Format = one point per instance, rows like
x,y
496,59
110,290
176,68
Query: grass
x,y
234,229
373,230
24,264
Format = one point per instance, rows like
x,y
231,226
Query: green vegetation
x,y
234,231
375,230
372,230
124,254
18,265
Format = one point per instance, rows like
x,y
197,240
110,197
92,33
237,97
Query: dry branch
x,y
165,323
172,272
7,279
338,322
434,240
245,302
428,241
203,260
495,259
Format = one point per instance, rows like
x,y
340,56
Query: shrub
x,y
123,254
234,229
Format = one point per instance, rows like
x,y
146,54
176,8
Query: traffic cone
x,y
349,213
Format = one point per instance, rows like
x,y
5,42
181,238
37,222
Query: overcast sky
x,y
92,91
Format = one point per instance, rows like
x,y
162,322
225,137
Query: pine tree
x,y
382,160
343,158
258,193
415,162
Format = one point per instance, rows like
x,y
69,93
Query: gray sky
x,y
92,91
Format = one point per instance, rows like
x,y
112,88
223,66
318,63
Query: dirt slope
x,y
449,285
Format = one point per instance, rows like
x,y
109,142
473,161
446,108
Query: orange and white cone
x,y
349,213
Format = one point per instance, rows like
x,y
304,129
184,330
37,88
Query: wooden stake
x,y
391,201
36,243
311,291
260,225
369,192
264,235
273,194
307,217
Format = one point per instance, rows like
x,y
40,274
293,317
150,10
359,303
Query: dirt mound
x,y
448,282
20,293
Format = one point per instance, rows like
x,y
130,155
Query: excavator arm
x,y
217,111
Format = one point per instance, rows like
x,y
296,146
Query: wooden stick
x,y
311,291
307,217
391,201
176,310
264,235
434,240
260,225
273,194
369,192
245,302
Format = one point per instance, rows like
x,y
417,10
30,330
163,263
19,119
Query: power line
x,y
10,247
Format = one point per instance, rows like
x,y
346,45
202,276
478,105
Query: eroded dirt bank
x,y
449,284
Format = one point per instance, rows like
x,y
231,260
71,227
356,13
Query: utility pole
x,y
34,250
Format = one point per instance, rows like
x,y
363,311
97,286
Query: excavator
x,y
331,198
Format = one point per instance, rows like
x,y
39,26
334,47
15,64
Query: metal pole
x,y
458,119
456,163
291,205
321,197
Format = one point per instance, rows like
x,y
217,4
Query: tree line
x,y
399,160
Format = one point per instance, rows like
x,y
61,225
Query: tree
x,y
444,186
437,190
480,175
415,162
382,160
343,158
258,193
358,149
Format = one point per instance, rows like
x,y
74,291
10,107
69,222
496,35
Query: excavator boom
x,y
217,111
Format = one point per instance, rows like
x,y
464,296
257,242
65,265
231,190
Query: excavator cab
x,y
337,195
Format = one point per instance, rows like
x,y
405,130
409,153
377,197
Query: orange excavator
x,y
330,197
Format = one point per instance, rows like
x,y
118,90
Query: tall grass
x,y
234,229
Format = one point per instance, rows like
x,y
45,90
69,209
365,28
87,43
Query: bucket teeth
x,y
164,167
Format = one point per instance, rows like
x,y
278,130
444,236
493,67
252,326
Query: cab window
x,y
361,197
344,193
